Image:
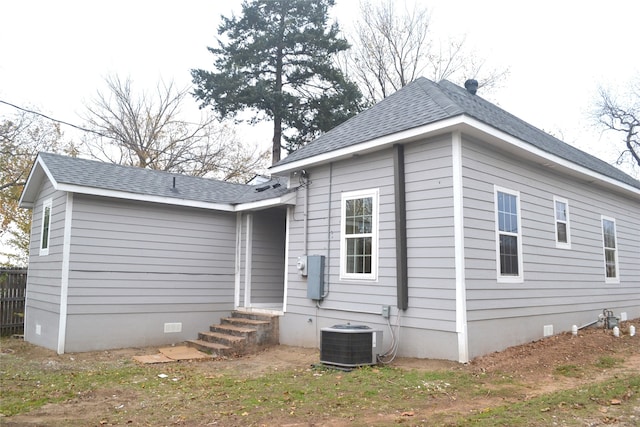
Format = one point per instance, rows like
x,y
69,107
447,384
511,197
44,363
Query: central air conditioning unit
x,y
350,345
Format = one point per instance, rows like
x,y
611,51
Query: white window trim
x,y
616,279
520,277
45,251
559,244
374,194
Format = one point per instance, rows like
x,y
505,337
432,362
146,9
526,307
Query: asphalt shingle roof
x,y
108,176
423,102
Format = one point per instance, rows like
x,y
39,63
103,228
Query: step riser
x,y
254,316
223,330
229,352
229,340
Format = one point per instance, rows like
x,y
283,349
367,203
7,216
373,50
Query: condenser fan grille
x,y
349,346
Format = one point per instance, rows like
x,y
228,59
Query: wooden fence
x,y
13,289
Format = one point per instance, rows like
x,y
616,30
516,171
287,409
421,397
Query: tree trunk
x,y
277,137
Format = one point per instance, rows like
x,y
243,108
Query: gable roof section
x,y
107,179
424,102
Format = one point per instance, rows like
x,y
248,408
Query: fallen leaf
x,y
615,402
545,409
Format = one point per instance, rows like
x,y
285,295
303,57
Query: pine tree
x,y
276,60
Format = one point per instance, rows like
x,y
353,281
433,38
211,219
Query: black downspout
x,y
401,227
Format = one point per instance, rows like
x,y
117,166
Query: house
x,y
453,226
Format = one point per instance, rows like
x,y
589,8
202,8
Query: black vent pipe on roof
x,y
471,86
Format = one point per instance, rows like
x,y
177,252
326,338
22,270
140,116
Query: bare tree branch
x,y
391,49
621,113
149,132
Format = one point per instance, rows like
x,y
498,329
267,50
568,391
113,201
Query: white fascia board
x,y
468,125
37,170
372,145
473,126
143,197
287,199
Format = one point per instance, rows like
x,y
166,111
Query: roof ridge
x,y
78,172
438,96
142,170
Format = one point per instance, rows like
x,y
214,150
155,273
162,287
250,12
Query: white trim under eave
x,y
458,237
286,199
64,276
442,126
478,126
39,165
469,125
92,191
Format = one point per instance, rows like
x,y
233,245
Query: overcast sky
x,y
54,54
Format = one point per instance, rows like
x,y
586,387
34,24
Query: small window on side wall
x,y
359,235
563,229
45,229
609,242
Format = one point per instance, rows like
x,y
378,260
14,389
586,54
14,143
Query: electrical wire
x,y
26,110
390,355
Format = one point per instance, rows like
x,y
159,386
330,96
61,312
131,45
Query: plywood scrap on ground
x,y
184,353
153,358
172,354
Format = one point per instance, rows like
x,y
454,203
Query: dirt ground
x,y
530,364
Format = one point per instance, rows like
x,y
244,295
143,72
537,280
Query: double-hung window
x,y
45,228
508,235
359,235
563,233
610,250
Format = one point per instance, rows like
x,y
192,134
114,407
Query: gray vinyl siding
x,y
430,235
346,300
561,287
44,276
135,266
430,319
267,284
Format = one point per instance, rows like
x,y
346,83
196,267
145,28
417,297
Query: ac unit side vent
x,y
349,346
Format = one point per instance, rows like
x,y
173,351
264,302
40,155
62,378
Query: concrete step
x,y
255,316
215,349
266,331
222,338
232,329
242,333
243,321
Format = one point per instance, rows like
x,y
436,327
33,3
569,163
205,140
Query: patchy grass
x,y
571,371
608,362
609,400
39,387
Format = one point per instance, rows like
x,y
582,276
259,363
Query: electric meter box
x,y
315,276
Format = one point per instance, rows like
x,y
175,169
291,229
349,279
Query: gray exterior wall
x,y
136,266
429,323
44,277
562,287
